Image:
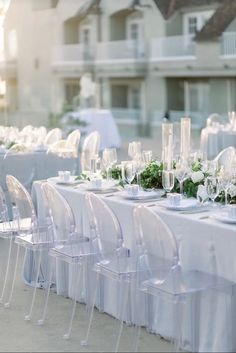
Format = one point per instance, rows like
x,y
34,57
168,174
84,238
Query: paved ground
x,y
17,335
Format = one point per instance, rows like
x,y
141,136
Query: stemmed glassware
x,y
109,158
212,188
129,172
168,180
225,179
182,172
134,150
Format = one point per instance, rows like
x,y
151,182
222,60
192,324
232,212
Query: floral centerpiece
x,y
151,178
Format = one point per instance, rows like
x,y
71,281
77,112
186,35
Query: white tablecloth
x,y
215,140
103,122
196,237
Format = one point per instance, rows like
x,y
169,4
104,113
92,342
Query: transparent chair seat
x,y
34,243
179,284
117,268
12,228
73,253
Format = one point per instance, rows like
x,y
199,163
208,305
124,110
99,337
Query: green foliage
x,y
151,177
10,144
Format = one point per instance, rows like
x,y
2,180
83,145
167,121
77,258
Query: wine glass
x,y
109,158
147,156
212,188
134,150
182,172
129,172
168,180
225,180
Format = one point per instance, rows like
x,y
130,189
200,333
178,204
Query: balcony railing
x,y
198,119
73,53
172,47
228,44
126,115
120,50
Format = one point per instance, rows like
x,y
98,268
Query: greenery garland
x,y
151,178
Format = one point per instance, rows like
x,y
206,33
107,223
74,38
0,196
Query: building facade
x,y
151,58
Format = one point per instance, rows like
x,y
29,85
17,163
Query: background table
x,y
215,140
102,121
196,237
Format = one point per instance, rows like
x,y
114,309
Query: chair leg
x,y
42,320
137,332
77,279
7,270
7,305
28,317
85,341
195,321
122,317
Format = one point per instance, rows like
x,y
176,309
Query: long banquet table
x,y
196,235
34,165
214,140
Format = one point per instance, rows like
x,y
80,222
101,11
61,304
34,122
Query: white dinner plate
x,y
184,205
102,190
72,181
142,195
224,218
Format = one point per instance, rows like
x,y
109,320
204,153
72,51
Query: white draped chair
x,y
53,136
90,149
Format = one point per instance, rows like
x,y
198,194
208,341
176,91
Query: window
x,y
134,98
135,30
194,21
71,91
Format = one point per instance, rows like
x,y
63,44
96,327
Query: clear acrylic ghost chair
x,y
225,157
114,261
53,136
90,149
29,234
215,120
70,247
161,275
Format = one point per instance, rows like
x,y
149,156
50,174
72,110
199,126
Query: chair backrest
x,y
92,143
215,119
3,207
20,197
90,149
225,157
61,214
73,139
53,136
105,230
156,245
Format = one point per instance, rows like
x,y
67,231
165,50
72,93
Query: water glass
x,y
212,188
168,180
134,150
129,172
182,172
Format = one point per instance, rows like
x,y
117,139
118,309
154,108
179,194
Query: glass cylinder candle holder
x,y
185,137
167,145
